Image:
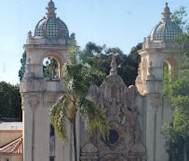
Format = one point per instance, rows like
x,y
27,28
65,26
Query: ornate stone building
x,y
136,113
50,39
120,103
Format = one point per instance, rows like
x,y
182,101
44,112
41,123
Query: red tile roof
x,y
14,147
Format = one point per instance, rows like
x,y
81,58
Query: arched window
x,y
170,69
52,67
51,143
51,130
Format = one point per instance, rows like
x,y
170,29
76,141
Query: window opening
x,y
50,68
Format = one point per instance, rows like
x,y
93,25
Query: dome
x,y
51,27
166,30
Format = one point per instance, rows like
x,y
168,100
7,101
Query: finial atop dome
x,y
51,9
51,4
166,13
113,70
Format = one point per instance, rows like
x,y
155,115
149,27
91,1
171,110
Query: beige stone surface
x,y
9,131
4,157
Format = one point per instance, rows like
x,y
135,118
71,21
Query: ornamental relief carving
x,y
88,153
155,103
34,101
114,158
119,103
139,79
49,98
118,141
144,68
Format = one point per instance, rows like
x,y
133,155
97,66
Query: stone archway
x,y
172,62
170,68
59,59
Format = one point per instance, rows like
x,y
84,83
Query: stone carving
x,y
28,73
150,75
89,153
113,158
50,98
29,34
89,148
138,79
113,70
72,36
52,146
94,94
119,103
114,112
156,103
23,102
34,102
144,68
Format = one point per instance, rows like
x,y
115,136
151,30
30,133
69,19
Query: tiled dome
x,y
166,30
51,27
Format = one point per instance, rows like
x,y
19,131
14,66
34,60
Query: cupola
x,y
166,30
51,27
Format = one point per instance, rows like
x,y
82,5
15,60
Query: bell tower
x,y
50,40
159,48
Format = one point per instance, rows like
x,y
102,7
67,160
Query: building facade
x,y
10,141
136,113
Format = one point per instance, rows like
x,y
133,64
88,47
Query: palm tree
x,y
78,79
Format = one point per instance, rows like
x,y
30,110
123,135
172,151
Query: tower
x,y
158,48
50,40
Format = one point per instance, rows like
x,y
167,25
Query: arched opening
x,y
170,69
52,67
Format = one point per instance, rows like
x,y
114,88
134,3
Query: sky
x,y
116,23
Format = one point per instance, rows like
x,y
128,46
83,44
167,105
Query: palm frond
x,y
58,116
94,117
78,79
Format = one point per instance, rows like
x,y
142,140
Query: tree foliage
x,y
178,17
177,133
50,68
99,57
78,79
10,102
22,68
176,87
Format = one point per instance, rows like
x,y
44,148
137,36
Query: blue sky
x,y
116,23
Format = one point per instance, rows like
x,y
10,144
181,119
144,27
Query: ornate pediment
x,y
119,103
